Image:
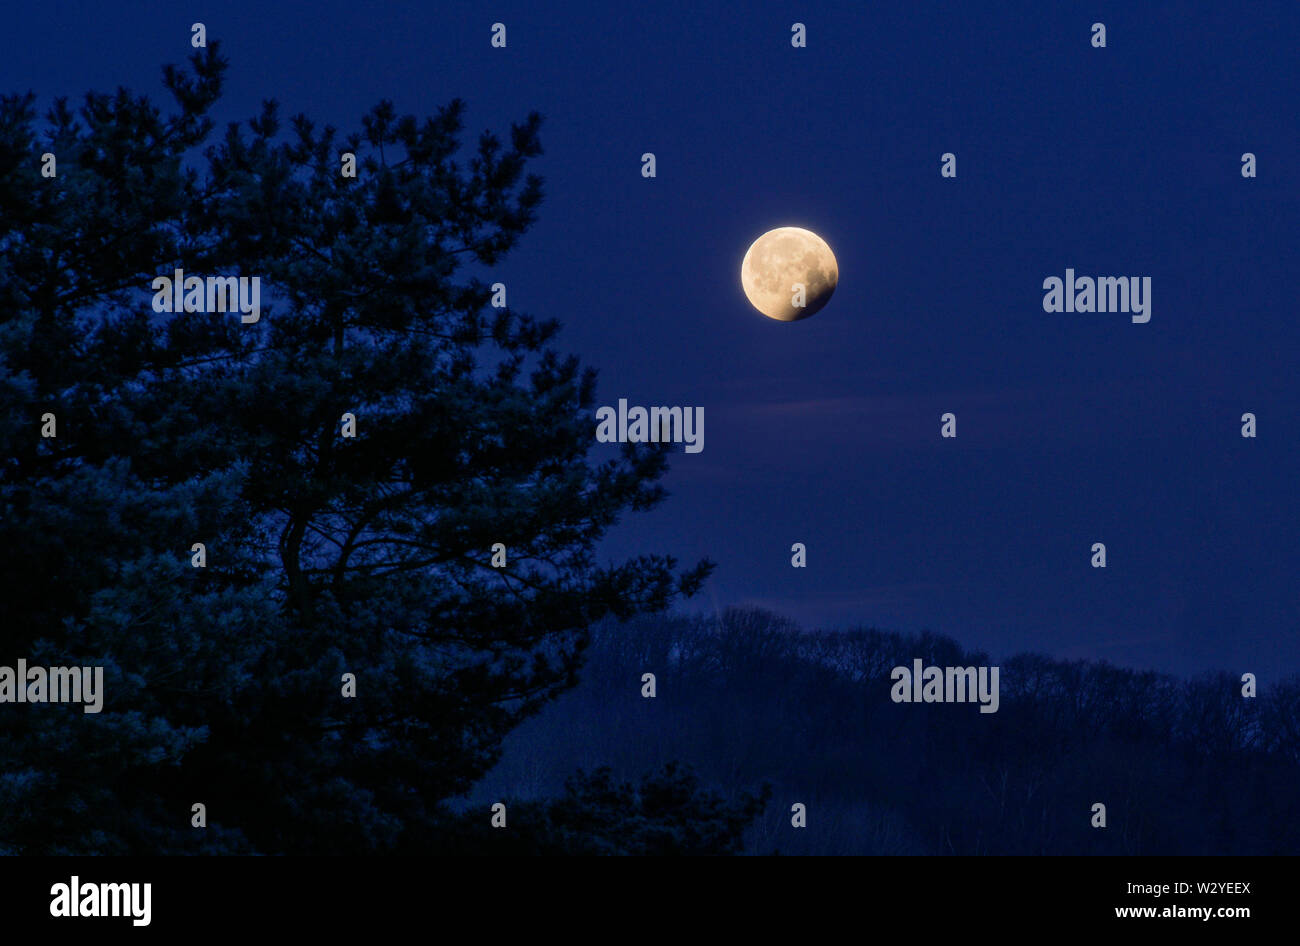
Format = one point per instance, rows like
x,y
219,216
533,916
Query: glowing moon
x,y
778,263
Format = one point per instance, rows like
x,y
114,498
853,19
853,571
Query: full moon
x,y
779,263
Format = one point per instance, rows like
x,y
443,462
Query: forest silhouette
x,y
1184,767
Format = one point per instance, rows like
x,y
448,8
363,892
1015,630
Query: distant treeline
x,y
1183,767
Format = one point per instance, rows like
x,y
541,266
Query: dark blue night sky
x,y
1073,428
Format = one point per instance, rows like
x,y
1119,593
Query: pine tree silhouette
x,y
326,555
